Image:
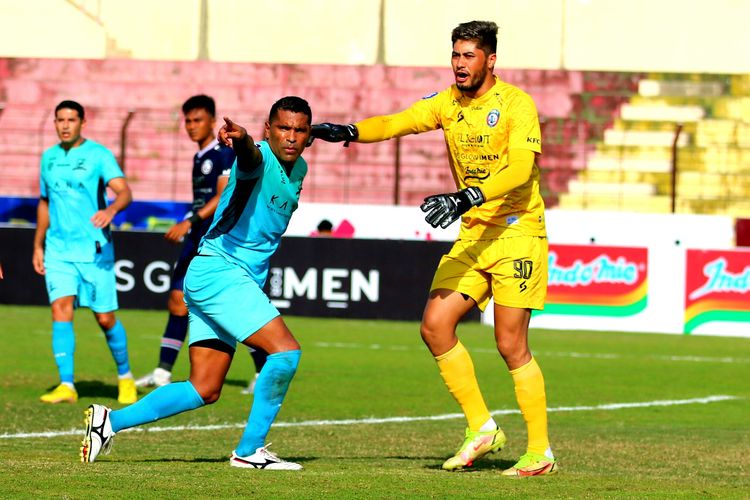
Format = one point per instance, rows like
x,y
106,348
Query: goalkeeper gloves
x,y
444,209
332,132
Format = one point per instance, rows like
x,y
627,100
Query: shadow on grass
x,y
145,390
213,460
96,389
484,464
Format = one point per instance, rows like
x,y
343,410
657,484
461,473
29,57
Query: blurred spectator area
x,y
607,136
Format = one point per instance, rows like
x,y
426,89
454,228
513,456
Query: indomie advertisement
x,y
597,280
717,292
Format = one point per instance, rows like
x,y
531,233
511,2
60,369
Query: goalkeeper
x,y
492,133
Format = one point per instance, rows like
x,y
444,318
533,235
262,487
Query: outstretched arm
x,y
236,136
419,117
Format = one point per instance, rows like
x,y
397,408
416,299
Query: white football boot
x,y
99,436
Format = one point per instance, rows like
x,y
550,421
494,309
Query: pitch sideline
x,y
388,420
556,354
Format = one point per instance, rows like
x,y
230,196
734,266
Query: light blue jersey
x,y
74,184
254,212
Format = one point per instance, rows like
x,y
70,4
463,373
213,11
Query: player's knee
x,y
210,395
106,321
428,331
62,310
437,340
512,351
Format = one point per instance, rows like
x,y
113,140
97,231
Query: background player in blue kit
x,y
73,245
211,166
224,292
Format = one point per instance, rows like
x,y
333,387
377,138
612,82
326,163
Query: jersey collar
x,y
208,148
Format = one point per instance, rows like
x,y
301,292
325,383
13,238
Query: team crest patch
x,y
493,117
429,96
206,167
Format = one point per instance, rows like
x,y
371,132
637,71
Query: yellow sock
x,y
457,371
532,400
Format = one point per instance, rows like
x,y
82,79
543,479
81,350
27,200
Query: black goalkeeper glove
x,y
332,132
444,209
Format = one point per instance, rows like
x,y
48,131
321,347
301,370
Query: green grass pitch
x,y
631,415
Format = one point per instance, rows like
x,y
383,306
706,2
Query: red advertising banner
x,y
717,287
594,280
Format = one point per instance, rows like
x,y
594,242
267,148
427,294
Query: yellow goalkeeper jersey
x,y
479,134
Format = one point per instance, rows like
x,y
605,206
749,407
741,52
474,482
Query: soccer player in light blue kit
x,y
73,245
224,292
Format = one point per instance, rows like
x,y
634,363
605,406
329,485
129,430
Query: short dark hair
x,y
200,101
71,105
325,225
291,103
483,32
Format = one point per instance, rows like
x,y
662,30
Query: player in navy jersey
x,y
211,166
224,292
73,247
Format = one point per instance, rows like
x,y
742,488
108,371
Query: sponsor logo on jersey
x,y
477,157
430,96
493,117
473,138
478,173
206,167
511,219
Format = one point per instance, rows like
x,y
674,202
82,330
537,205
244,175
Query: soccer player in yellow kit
x,y
492,133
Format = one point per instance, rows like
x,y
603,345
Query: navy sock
x,y
259,358
172,340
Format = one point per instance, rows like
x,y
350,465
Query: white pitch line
x,y
388,420
571,354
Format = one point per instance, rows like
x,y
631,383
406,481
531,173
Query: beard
x,y
474,83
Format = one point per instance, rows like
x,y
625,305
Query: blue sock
x,y
162,402
118,346
270,390
63,348
174,336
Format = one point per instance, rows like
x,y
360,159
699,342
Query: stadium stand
x,y
607,135
575,108
631,168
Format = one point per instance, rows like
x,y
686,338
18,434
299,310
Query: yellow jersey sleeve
x,y
422,116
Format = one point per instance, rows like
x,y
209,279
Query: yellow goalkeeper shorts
x,y
511,270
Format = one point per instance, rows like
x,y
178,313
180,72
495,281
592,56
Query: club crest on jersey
x,y
493,117
429,96
206,167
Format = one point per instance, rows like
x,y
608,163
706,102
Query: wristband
x,y
194,219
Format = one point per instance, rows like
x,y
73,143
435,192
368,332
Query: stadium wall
x,y
608,35
320,277
607,271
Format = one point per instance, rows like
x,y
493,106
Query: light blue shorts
x,y
224,302
92,283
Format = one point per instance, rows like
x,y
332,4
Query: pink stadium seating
x,y
575,107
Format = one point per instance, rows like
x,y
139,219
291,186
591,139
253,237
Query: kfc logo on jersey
x,y
206,167
493,117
